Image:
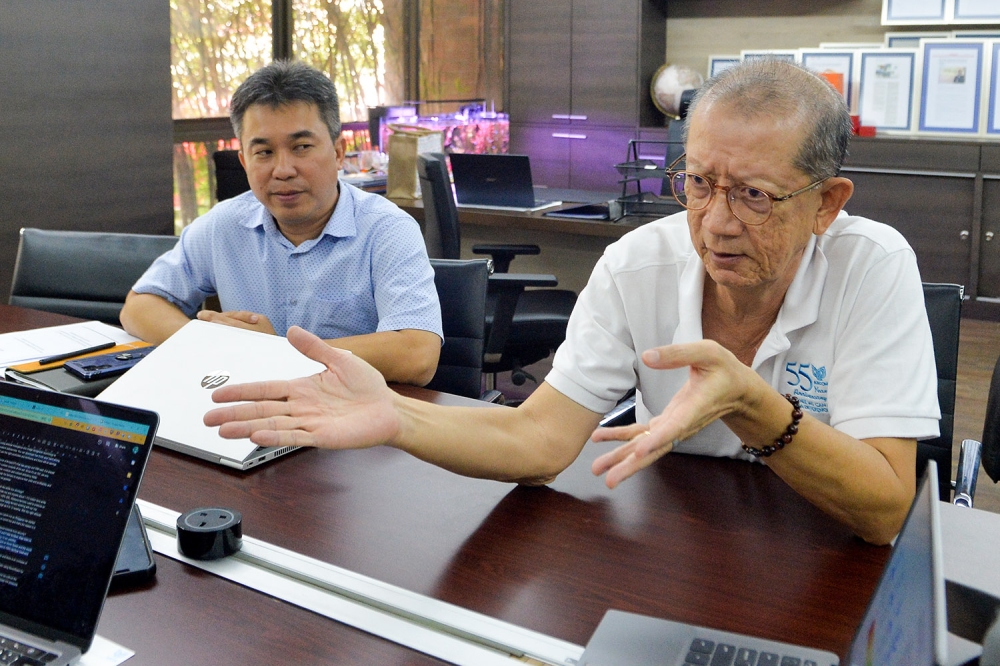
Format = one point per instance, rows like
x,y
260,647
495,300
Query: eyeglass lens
x,y
694,192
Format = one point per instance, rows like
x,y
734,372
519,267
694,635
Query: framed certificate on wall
x,y
717,63
975,34
885,98
993,97
837,67
951,82
911,40
977,11
791,55
940,12
914,12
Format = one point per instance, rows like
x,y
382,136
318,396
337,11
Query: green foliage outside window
x,y
360,44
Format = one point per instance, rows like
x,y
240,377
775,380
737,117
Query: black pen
x,y
78,352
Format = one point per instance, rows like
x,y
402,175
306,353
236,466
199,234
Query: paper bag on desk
x,y
405,143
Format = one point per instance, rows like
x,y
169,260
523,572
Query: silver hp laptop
x,y
501,182
69,471
905,624
178,377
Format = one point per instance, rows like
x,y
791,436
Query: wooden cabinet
x,y
987,240
575,157
549,157
944,197
578,79
933,211
607,81
539,64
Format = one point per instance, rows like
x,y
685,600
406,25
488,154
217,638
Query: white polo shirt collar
x,y
799,309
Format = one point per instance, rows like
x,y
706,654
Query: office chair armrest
x,y
522,280
622,414
967,472
506,289
504,253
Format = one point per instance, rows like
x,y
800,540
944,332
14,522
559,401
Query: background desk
x,y
570,248
714,542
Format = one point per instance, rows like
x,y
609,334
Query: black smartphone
x,y
135,564
106,365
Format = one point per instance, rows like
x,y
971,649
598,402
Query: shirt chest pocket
x,y
344,315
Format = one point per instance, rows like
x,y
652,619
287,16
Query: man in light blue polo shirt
x,y
301,248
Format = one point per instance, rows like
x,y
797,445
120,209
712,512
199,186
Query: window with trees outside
x,y
364,46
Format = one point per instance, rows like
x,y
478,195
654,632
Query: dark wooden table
x,y
715,542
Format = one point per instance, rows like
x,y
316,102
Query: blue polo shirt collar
x,y
340,225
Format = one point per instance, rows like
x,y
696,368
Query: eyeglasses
x,y
750,205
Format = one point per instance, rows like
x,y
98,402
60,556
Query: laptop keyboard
x,y
709,653
13,653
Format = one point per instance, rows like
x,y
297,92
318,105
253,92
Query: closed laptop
x,y
177,379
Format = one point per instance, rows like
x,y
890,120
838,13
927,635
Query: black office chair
x,y
461,288
991,428
523,327
675,138
230,176
81,273
944,313
985,451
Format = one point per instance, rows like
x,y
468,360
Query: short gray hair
x,y
281,83
770,87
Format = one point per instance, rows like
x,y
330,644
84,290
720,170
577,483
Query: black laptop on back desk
x,y
495,181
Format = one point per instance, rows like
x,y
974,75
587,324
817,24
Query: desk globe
x,y
668,83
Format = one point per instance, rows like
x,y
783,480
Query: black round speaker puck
x,y
209,533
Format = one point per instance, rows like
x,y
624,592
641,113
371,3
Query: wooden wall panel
x,y
699,28
86,120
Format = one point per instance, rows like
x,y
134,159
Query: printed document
x,y
25,346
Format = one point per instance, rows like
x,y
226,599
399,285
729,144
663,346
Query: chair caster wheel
x,y
518,377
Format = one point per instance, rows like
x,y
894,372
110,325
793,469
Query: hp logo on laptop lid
x,y
215,379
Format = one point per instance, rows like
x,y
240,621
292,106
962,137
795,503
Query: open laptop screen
x,y
905,624
492,180
69,471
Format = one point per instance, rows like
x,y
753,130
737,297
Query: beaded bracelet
x,y
786,438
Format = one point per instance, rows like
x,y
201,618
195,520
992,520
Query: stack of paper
x,y
24,346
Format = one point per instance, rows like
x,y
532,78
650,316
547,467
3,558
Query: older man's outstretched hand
x,y
717,385
348,405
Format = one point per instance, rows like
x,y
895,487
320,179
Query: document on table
x,y
103,652
24,346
